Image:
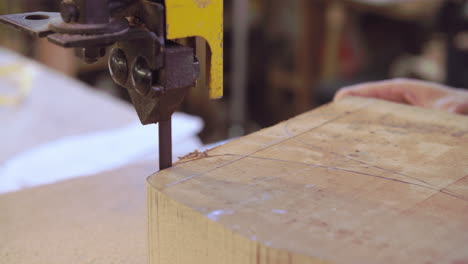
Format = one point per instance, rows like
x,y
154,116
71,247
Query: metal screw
x,y
118,66
142,76
69,11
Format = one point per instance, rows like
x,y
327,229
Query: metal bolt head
x,y
118,66
69,11
142,76
90,54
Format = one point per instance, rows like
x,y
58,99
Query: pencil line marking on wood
x,y
434,187
429,186
347,157
291,136
264,148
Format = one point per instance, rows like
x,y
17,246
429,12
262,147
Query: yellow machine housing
x,y
200,18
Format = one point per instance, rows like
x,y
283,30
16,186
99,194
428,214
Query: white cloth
x,y
83,155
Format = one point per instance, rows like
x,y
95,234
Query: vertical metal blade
x,y
165,144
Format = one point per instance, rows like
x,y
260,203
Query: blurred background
x,y
283,58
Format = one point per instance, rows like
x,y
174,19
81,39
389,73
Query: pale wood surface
x,y
97,220
359,181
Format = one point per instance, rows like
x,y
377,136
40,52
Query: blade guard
x,y
200,18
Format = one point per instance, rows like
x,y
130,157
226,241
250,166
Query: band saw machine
x,y
152,49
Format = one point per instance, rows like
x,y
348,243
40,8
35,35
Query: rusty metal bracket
x,y
35,23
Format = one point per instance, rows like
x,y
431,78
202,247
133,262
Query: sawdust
x,y
192,156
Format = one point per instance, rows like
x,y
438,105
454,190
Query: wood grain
x,y
358,181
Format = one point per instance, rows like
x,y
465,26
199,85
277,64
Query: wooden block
x,y
359,181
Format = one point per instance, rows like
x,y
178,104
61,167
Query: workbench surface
x,y
98,219
357,181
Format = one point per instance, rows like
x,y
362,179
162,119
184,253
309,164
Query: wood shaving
x,y
194,155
